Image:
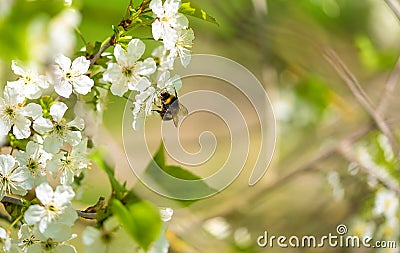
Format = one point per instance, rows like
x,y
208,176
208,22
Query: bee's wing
x,y
182,112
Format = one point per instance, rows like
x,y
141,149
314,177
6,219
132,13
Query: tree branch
x,y
254,195
361,96
18,202
389,88
108,44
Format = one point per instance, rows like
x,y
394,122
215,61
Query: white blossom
x,y
218,227
34,160
30,83
13,180
168,21
182,47
166,82
69,164
166,214
13,114
6,241
163,60
142,107
55,207
387,203
100,240
71,76
59,131
53,240
128,73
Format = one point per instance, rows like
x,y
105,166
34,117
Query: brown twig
x,y
361,96
389,88
294,173
108,44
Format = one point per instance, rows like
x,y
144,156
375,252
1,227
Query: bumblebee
x,y
171,108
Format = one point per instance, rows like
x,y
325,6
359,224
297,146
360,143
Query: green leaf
x,y
190,9
118,190
169,184
140,220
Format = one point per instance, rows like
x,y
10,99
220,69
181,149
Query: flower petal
x,y
42,125
34,214
63,61
5,126
80,65
17,69
68,217
74,137
134,50
171,7
63,87
21,128
157,29
78,123
33,110
180,21
83,84
52,143
146,67
142,84
58,110
120,56
157,7
44,193
7,163
119,88
13,96
63,195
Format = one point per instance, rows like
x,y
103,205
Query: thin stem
x,y
361,96
257,195
15,222
389,88
108,44
80,35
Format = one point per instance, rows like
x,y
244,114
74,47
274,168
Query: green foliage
x,y
164,181
14,43
118,190
140,220
16,143
190,9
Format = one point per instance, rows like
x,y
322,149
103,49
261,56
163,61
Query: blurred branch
x,y
254,195
394,6
355,87
389,88
347,152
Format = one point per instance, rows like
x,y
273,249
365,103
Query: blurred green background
x,y
282,42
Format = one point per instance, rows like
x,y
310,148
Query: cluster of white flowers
x,y
148,77
54,147
36,111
